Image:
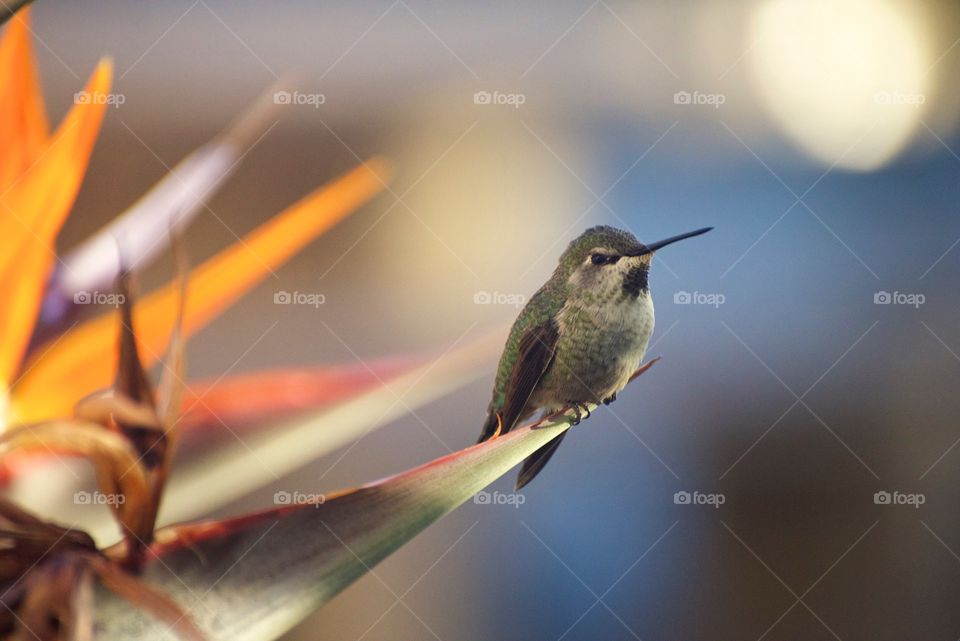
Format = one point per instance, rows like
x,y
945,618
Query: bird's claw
x,y
610,399
579,409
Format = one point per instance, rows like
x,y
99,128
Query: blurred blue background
x,y
818,138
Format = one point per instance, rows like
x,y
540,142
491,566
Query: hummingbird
x,y
578,339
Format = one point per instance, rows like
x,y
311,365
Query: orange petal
x,y
23,119
81,362
32,210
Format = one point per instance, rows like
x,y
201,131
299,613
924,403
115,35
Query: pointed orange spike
x,y
78,364
32,211
499,426
23,120
643,368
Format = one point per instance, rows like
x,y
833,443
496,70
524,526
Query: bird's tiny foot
x,y
582,411
610,399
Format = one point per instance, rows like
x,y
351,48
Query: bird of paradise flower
x,y
40,175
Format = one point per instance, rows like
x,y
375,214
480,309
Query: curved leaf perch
x,y
254,577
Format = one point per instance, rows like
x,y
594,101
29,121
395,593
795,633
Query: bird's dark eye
x,y
603,259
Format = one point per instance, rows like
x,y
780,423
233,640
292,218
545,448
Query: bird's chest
x,y
600,346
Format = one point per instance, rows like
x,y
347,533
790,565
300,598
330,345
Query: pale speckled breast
x,y
598,349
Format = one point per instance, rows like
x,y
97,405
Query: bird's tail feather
x,y
536,461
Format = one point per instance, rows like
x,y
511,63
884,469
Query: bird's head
x,y
605,261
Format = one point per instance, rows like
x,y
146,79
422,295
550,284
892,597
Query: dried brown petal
x,y
118,467
57,601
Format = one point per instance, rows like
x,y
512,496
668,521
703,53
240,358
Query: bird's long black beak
x,y
649,249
